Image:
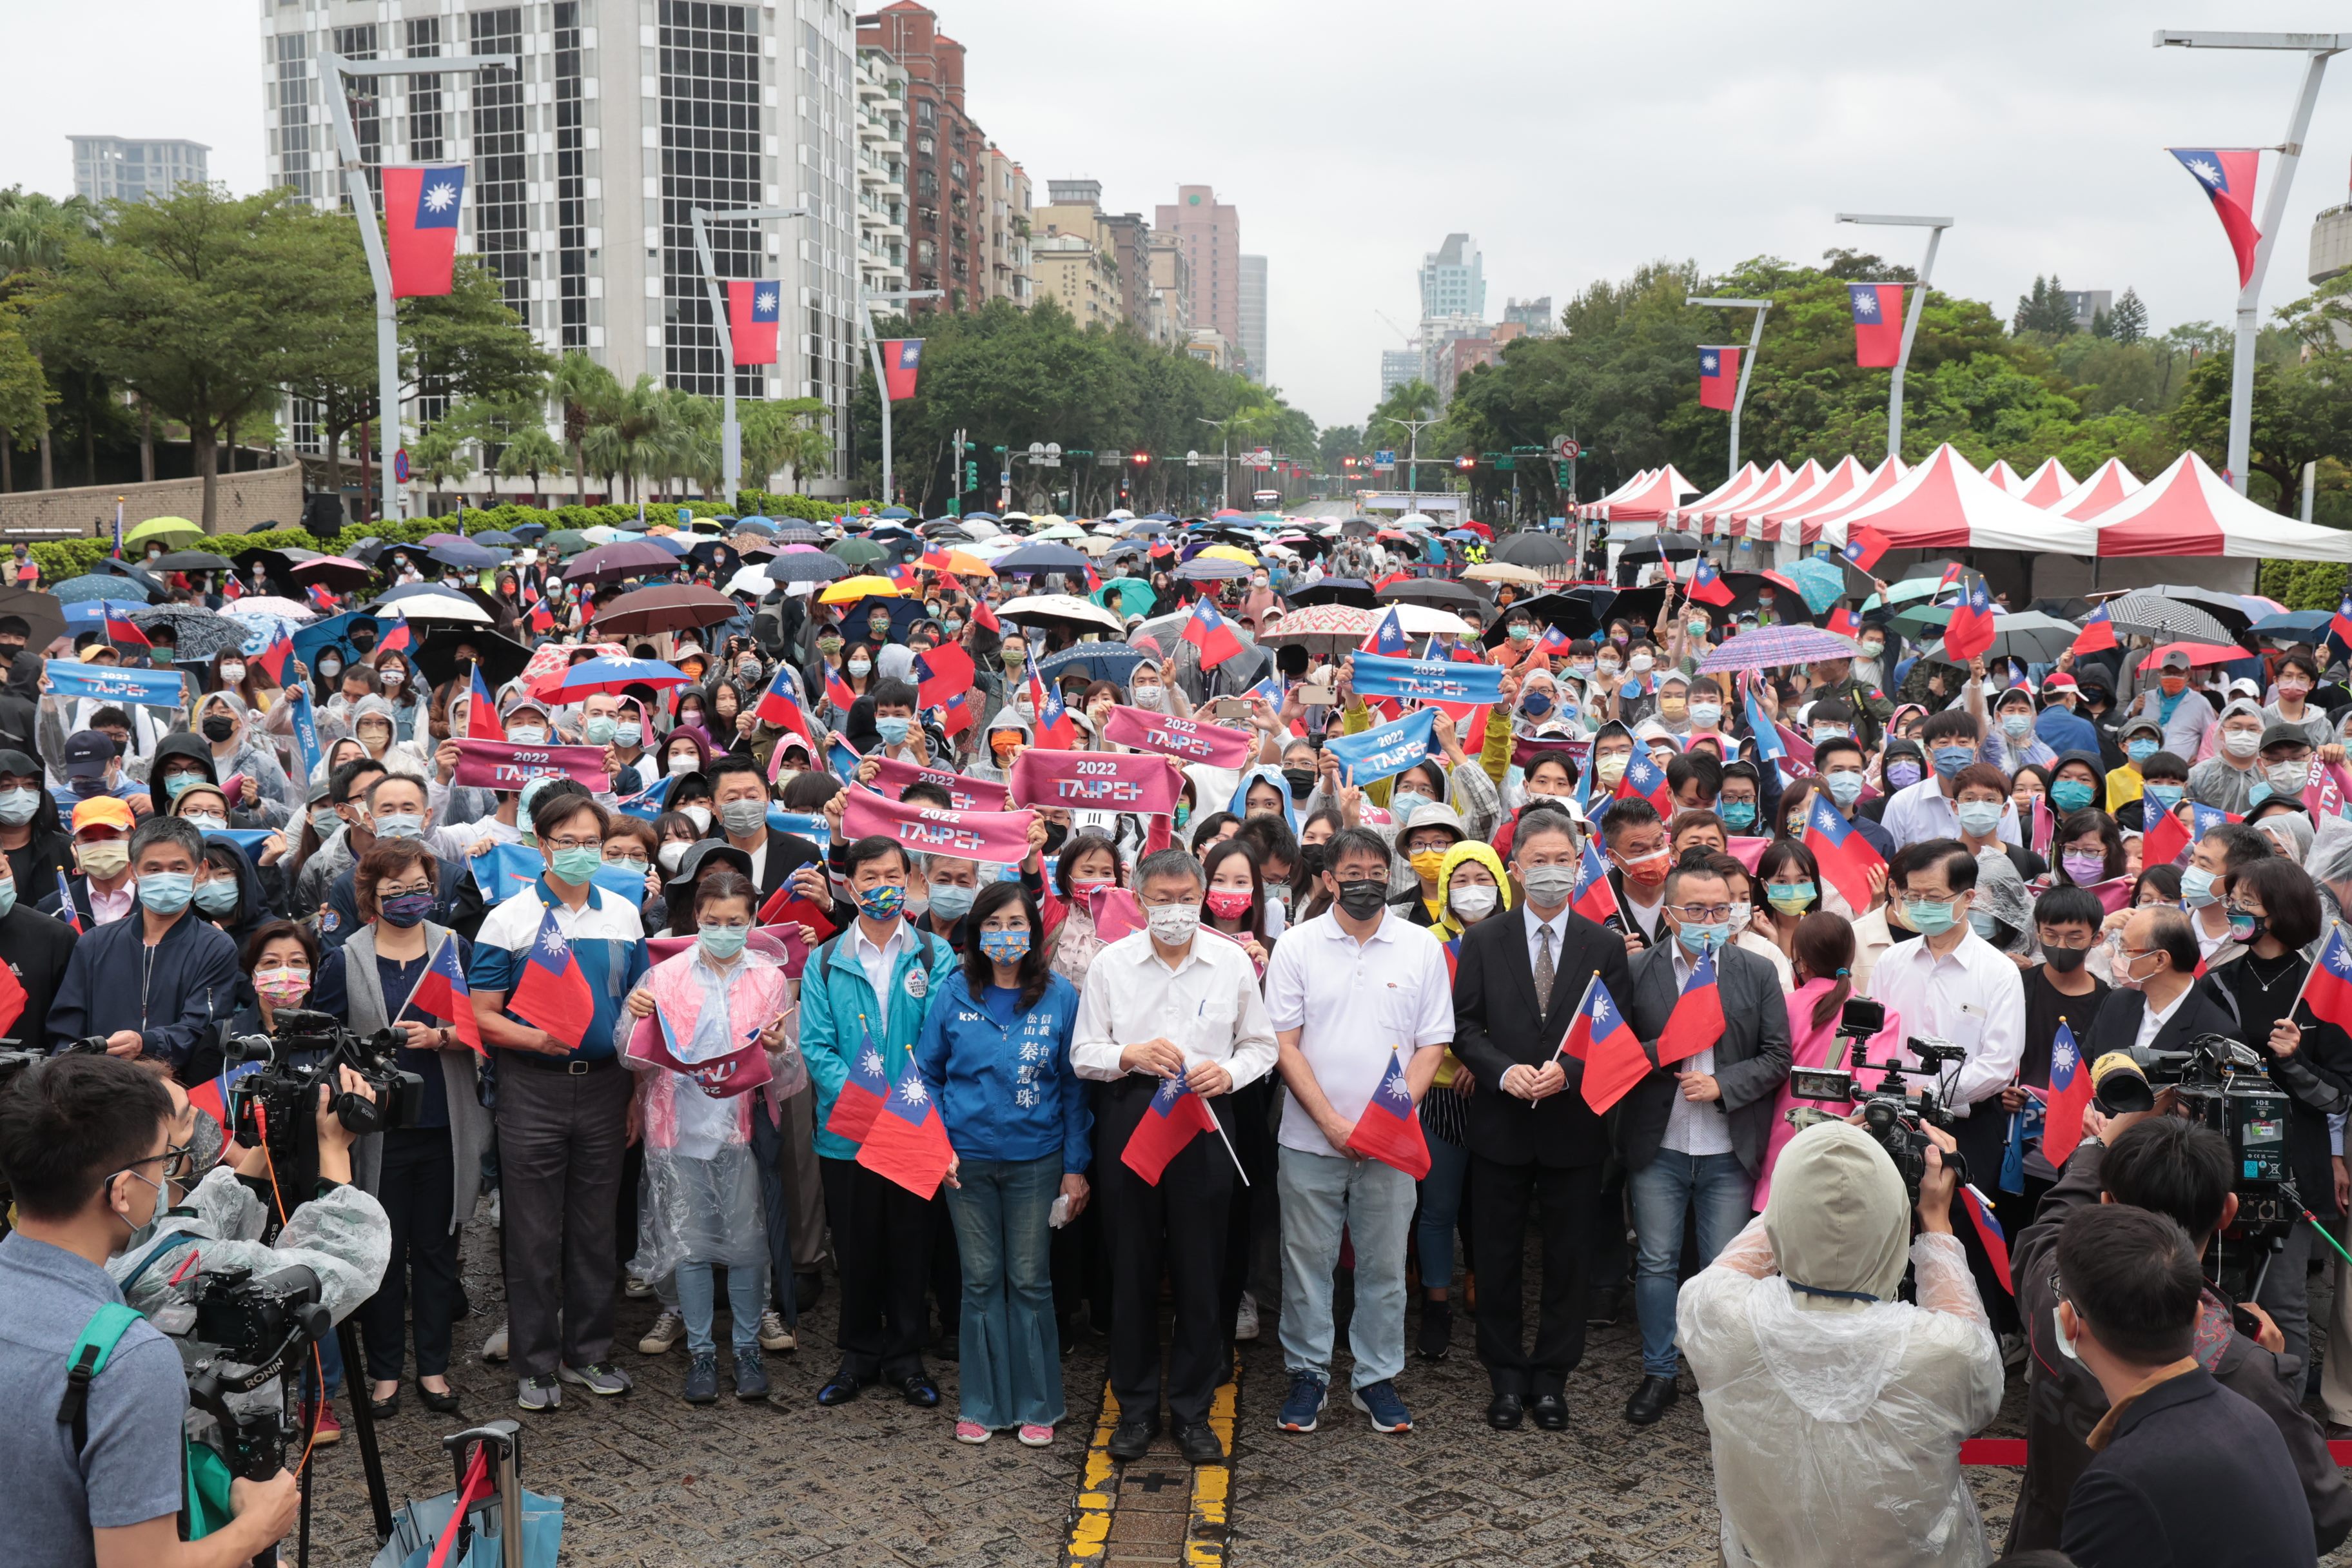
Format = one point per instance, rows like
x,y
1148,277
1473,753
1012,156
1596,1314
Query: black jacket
x,y
1498,1023
1751,1055
2205,1010
36,948
173,996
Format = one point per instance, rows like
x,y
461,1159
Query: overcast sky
x,y
1572,140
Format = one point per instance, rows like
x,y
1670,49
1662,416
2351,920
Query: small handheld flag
x,y
2098,633
1844,855
1595,896
1989,1232
1055,730
1388,1131
1864,546
1387,637
442,993
1708,587
1207,632
482,720
941,673
1644,780
1600,1036
1166,1128
1971,631
908,1144
66,910
862,1093
1697,1022
779,707
2070,1095
551,993
2328,987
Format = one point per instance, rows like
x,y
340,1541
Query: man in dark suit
x,y
1693,1134
739,815
1533,1139
2187,1471
2171,1006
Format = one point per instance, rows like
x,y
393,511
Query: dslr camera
x,y
1892,1112
274,1105
257,1331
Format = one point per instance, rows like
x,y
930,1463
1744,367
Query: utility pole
x,y
2316,48
1935,227
867,300
1226,462
332,70
730,436
1412,450
1746,364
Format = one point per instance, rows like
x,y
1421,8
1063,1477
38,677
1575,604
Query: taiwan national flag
x,y
983,615
908,1144
1877,323
2228,175
901,359
779,706
118,627
443,993
1863,545
1644,780
1175,1117
1846,857
482,720
837,691
1595,896
2339,626
2069,1097
401,638
1554,640
1387,637
1388,1131
2098,633
2328,989
1055,730
752,312
542,618
1989,1232
1718,377
1970,631
1708,587
551,992
420,218
862,1093
1207,632
66,910
1841,622
1697,1022
1600,1038
12,999
956,715
942,673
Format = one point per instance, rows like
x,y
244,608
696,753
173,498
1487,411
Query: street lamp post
x,y
1747,362
730,433
332,70
1413,452
1225,461
2317,47
1935,227
867,300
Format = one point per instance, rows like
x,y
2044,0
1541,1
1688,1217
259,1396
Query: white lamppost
x,y
730,436
1935,227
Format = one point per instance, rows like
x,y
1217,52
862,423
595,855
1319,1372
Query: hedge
x,y
61,559
2302,584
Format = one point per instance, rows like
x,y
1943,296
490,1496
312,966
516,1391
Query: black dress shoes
x,y
1550,1411
1199,1444
920,1389
1604,1305
1504,1411
840,1388
1132,1437
1650,1400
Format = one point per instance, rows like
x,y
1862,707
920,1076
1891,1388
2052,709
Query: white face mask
x,y
681,763
1474,903
2240,742
671,854
232,674
1173,924
700,815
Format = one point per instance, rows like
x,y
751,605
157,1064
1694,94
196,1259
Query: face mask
x,y
1950,760
2017,726
576,865
690,717
330,667
405,909
2065,960
167,892
892,729
1610,769
722,941
527,735
1902,774
324,820
1474,903
105,860
205,822
216,898
951,901
393,675
1582,668
18,805
2197,887
1737,813
1646,868
2082,869
219,727
2139,751
1704,715
1979,818
177,784
1363,898
878,626
1548,885
1427,863
1228,904
828,644
1872,649
282,985
954,626
1173,925
1844,787
2070,795
1004,946
681,764
1697,939
399,825
2240,742
1983,924
1928,919
2287,778
743,817
2172,685
861,666
1536,704
1404,803
1638,664
2247,928
1014,659
1828,733
2167,796
1147,697
1788,898
232,675
1608,667
7,898
598,731
1695,628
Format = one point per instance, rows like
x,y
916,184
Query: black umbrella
x,y
806,566
1532,550
1100,660
1334,590
799,533
2065,608
1048,557
199,633
1575,614
44,614
1439,592
191,560
1935,567
1659,547
502,658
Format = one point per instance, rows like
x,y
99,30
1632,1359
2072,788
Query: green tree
x,y
2300,415
785,434
2129,320
36,230
1339,441
584,393
2047,309
440,455
531,452
625,439
2102,324
25,392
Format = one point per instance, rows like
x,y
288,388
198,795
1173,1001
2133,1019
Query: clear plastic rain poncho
x,y
1836,1412
700,1199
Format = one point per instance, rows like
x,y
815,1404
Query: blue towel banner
x,y
1427,679
1386,752
115,683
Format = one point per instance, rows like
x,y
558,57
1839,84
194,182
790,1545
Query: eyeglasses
x,y
1700,914
390,891
574,843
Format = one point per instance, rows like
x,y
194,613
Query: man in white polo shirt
x,y
1348,993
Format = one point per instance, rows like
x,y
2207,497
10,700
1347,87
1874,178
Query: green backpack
x,y
204,1503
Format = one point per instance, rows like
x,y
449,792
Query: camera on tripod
x,y
1892,1113
272,1107
256,1329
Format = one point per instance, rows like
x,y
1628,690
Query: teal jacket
x,y
837,1002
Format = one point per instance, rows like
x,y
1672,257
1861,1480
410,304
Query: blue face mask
x,y
1845,788
2196,886
1950,760
2070,795
892,729
1697,939
1534,704
7,898
1737,813
167,892
216,898
177,784
1979,818
576,865
952,900
882,903
1928,919
1983,924
2139,751
722,941
1004,946
2167,796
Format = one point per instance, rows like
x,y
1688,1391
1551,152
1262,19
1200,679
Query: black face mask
x,y
363,641
2065,960
219,727
1363,899
1301,782
1310,859
1056,837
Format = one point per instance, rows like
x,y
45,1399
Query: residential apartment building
x,y
113,168
584,164
1456,357
1171,323
1397,367
1252,310
1069,269
1009,229
1535,316
1211,233
881,173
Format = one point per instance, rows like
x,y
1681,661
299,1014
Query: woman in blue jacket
x,y
995,1053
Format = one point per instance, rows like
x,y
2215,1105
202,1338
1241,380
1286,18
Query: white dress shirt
x,y
1358,1006
2152,1019
1923,811
1695,1127
878,961
1557,925
1971,996
1208,1004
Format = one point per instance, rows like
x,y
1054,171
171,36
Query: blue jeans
x,y
1322,1193
698,1301
1011,1370
1718,1190
1441,1212
768,1149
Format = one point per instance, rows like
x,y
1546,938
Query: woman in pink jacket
x,y
1821,953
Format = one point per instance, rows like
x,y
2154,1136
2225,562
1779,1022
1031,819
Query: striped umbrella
x,y
2149,615
1770,648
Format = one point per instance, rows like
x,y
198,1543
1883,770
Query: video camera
x,y
275,1106
261,1327
1892,1113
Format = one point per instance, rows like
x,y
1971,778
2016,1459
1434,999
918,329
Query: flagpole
x,y
730,433
1935,227
1746,364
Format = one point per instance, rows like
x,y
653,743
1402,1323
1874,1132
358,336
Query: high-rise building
x,y
1008,230
1070,270
1121,241
110,168
2088,305
1397,367
1252,318
583,167
881,171
1211,233
1171,294
1534,315
1454,280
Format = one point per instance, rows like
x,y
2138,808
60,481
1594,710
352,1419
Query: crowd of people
x,y
1379,983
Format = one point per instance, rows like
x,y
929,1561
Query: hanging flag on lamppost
x,y
752,312
420,217
1877,324
901,359
1718,377
2227,174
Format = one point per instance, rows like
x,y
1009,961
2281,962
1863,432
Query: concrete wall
x,y
84,511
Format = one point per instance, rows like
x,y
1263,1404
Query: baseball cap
x,y
87,753
2176,659
102,811
2285,735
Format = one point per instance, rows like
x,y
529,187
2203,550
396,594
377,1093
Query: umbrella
x,y
2230,609
1440,592
611,563
191,560
1933,569
2068,608
1358,528
810,567
1770,648
1048,558
603,533
798,532
91,588
1316,621
528,531
269,607
565,542
1231,553
334,571
465,555
852,588
1575,612
670,607
1060,609
2198,653
199,633
750,580
1100,660
1335,591
764,527
2145,613
2027,636
155,591
163,528
894,512
497,536
2290,626
1903,593
434,605
1058,528
1499,571
857,552
671,542
1823,583
502,658
1657,547
1212,569
1424,620
1135,595
45,614
956,563
613,676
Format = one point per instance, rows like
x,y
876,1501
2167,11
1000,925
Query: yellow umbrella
x,y
1230,552
960,563
162,528
851,589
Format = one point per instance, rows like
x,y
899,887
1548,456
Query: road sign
x,y
1566,448
399,467
1260,458
1384,462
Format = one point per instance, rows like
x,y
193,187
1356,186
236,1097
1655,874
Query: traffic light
x,y
1141,459
1465,464
971,476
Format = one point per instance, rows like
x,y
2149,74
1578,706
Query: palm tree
x,y
623,440
440,455
532,451
781,435
585,392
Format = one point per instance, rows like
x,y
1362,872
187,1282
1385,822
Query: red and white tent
x,y
1654,501
1591,509
1686,517
1745,519
2189,510
1946,504
2002,474
1715,520
2050,484
1832,491
2109,483
1827,525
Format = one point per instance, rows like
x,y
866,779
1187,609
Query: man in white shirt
x,y
1352,993
1157,1003
1928,809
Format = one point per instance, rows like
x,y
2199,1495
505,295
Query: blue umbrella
x,y
1821,580
807,566
95,586
1100,660
465,555
1212,569
669,542
895,511
756,524
93,612
1042,558
615,676
529,530
498,536
2301,624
